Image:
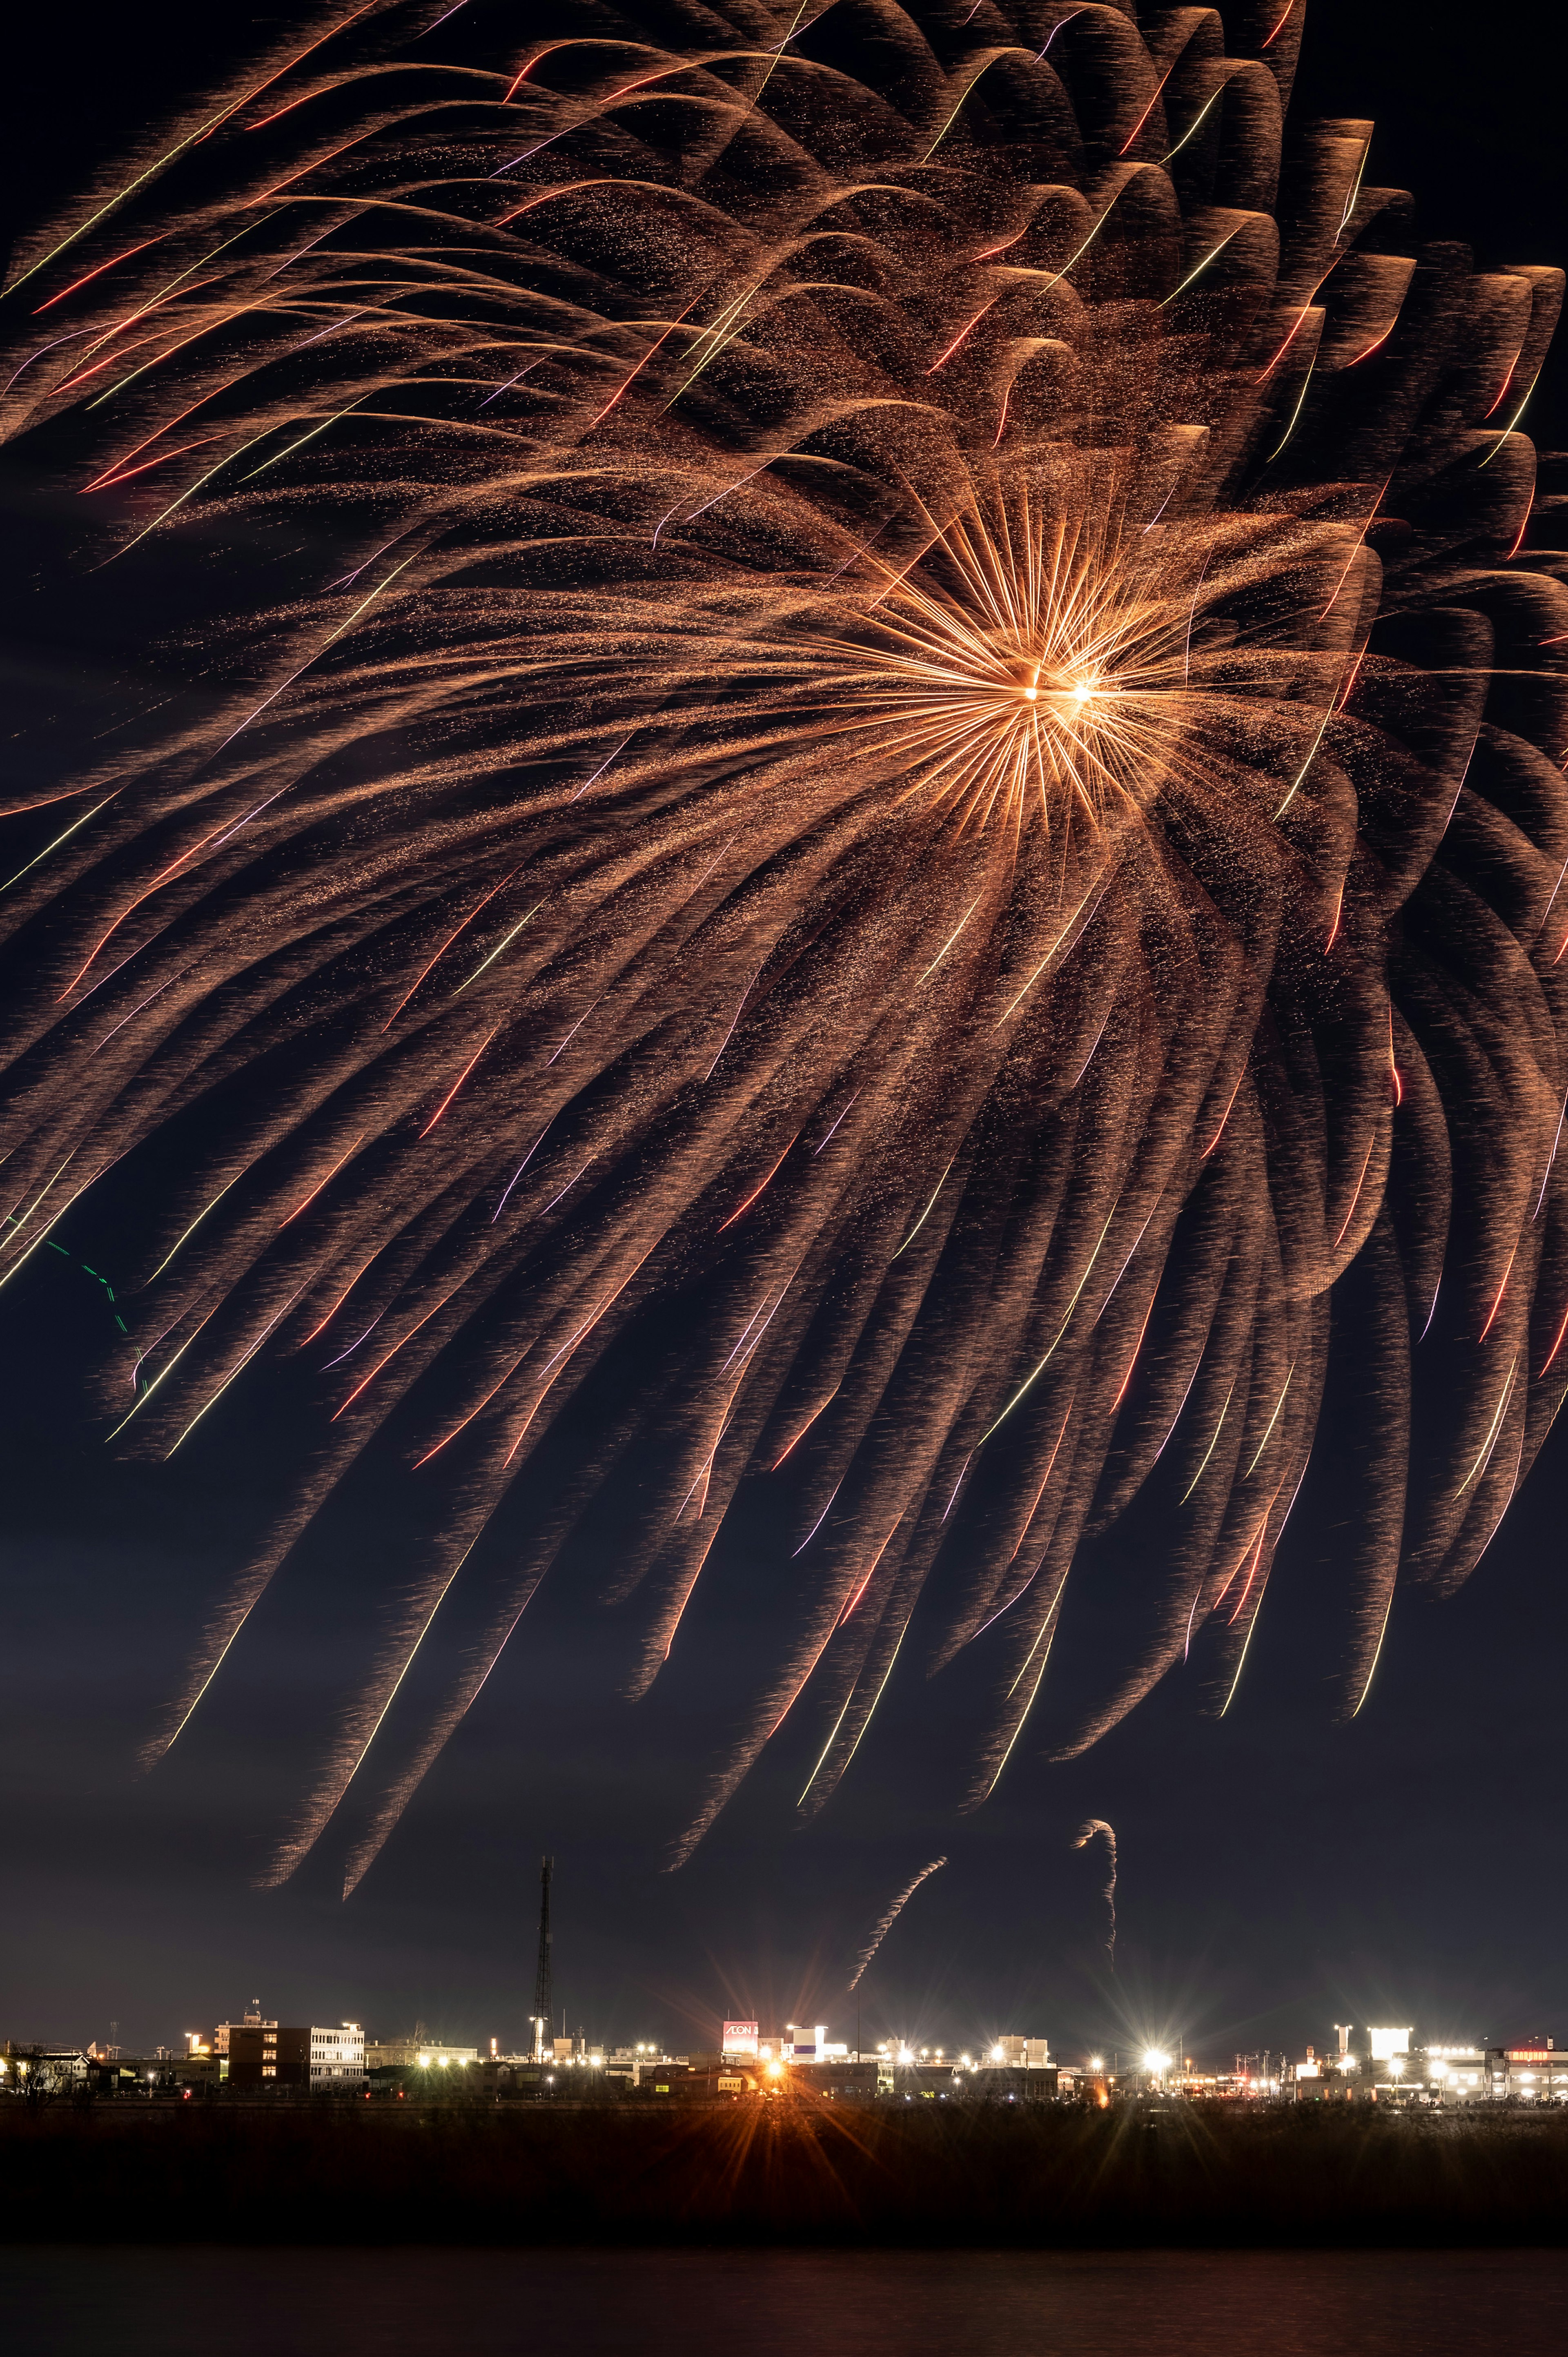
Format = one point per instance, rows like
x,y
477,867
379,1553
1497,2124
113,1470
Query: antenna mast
x,y
543,2016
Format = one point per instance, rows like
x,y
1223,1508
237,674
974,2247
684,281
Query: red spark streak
x,y
321,1184
1034,1500
636,372
167,426
1153,102
69,383
460,1080
1345,1224
112,482
1338,914
446,945
1134,1359
758,1191
158,880
536,60
1498,1303
811,1420
103,266
66,794
1371,347
963,332
1562,1332
342,1297
396,1347
1225,1115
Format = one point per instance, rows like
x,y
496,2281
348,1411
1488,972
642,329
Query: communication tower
x,y
543,2014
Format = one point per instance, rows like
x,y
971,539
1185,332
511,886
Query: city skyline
x,y
1276,1868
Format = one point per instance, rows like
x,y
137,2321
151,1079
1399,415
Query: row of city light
x,y
1154,2061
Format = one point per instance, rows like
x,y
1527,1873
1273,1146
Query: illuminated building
x,y
337,2058
417,2053
1457,2074
225,2029
1021,2053
305,2056
1534,2071
262,2055
1390,2069
1012,2082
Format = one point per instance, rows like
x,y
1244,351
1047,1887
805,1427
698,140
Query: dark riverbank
x,y
1039,2178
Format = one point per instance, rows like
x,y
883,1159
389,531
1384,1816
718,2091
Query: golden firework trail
x,y
904,811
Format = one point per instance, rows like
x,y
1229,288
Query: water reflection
x,y
70,2302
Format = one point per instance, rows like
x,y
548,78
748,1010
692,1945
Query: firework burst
x,y
924,804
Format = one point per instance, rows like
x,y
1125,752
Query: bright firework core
x,y
1037,665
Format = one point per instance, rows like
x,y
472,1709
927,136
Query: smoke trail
x,y
886,1923
1086,1833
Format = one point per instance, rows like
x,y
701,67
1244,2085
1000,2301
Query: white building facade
x,y
337,2058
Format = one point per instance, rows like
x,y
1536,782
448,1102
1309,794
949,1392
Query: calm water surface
x,y
417,2303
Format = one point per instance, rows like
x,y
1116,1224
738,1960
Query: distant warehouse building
x,y
417,2054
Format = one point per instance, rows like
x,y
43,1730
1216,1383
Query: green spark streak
x,y
1197,122
194,1225
1306,765
500,945
297,445
1212,256
58,841
1295,413
1272,1421
947,945
1029,1381
1513,420
926,1214
158,1379
1211,1450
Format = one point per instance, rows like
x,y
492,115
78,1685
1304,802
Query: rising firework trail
x,y
1093,1829
916,806
888,1917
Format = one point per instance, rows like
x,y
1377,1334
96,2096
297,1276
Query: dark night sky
x,y
1278,1871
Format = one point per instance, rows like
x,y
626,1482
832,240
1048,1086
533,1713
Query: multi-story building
x,y
1456,2074
336,2059
1534,2072
1021,2053
251,2020
263,2055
